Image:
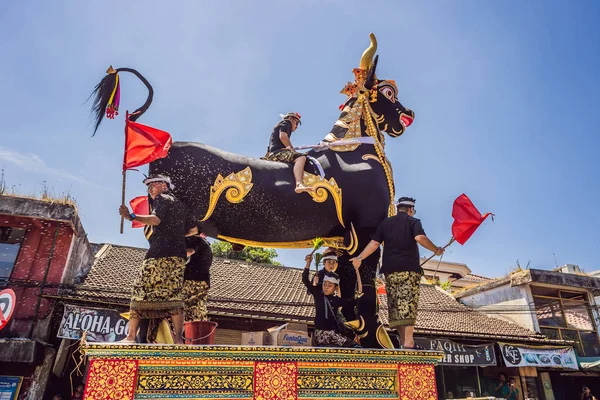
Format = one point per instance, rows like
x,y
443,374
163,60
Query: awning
x,y
589,363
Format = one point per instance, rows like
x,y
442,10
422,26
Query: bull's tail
x,y
107,96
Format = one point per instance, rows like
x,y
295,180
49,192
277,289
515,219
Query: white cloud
x,y
33,163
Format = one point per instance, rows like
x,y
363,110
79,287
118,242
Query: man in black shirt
x,y
401,266
196,278
157,290
281,149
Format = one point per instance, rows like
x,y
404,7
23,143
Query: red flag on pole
x,y
466,218
140,206
144,144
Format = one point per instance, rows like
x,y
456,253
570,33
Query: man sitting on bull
x,y
281,149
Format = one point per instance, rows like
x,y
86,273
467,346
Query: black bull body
x,y
251,201
273,213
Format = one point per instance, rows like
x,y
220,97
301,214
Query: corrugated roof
x,y
253,290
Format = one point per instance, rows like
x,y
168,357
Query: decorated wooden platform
x,y
221,372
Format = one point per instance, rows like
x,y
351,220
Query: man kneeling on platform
x,y
328,328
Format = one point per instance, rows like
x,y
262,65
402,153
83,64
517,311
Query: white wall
x,y
504,302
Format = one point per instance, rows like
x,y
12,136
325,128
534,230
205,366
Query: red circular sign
x,y
8,300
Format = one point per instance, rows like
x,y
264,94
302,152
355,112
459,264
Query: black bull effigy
x,y
251,201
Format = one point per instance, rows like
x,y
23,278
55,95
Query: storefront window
x,y
10,243
590,343
461,382
566,315
568,334
550,333
577,315
531,390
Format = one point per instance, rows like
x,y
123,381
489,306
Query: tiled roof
x,y
247,289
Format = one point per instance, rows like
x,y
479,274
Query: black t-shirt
x,y
325,318
198,268
401,251
275,144
168,237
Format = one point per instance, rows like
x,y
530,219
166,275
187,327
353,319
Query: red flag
x,y
466,218
140,206
144,144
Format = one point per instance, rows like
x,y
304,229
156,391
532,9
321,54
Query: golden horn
x,y
367,58
111,70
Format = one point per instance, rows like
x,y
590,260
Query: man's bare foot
x,y
127,341
301,188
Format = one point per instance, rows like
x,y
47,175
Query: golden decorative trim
x,y
351,121
322,186
383,338
238,185
371,157
335,241
371,130
353,246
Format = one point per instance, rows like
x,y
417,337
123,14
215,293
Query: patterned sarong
x,y
285,155
402,290
332,339
195,294
157,290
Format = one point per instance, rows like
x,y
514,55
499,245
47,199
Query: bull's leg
x,y
365,322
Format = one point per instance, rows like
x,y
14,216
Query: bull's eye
x,y
388,92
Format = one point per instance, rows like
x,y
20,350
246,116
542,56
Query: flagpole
x,y
123,198
124,171
448,244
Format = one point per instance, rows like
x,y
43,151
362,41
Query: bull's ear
x,y
370,82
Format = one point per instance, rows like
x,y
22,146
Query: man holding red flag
x,y
401,266
157,290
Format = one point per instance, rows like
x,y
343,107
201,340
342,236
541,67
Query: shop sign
x,y
9,387
539,356
102,325
460,354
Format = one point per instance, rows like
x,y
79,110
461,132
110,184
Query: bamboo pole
x,y
123,197
448,244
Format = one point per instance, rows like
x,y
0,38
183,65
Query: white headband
x,y
407,203
165,180
330,257
331,279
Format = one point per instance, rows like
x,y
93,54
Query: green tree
x,y
253,254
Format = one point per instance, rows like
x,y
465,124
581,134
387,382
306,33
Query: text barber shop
x,y
458,374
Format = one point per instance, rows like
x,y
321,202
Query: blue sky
x,y
505,96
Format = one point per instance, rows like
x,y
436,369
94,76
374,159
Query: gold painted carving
x,y
322,186
237,186
336,242
352,121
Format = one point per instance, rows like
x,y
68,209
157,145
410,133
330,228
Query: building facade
x,y
560,304
42,249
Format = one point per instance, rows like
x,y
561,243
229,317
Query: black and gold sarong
x,y
195,294
402,290
285,155
157,290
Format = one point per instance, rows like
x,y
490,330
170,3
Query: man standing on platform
x,y
401,266
157,290
196,278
